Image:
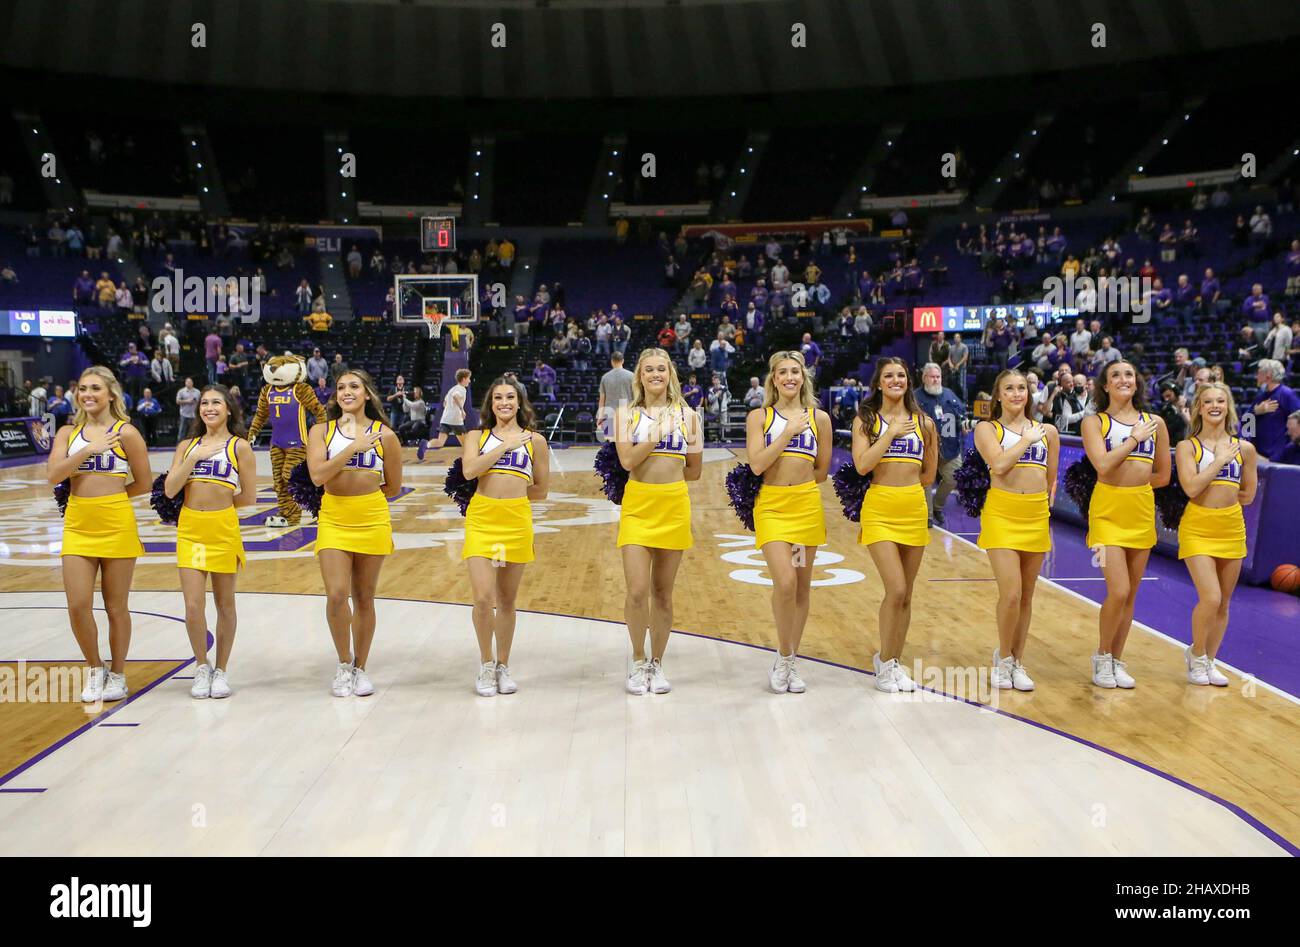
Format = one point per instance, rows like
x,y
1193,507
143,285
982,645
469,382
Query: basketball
x,y
1286,578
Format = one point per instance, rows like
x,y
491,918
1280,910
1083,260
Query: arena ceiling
x,y
574,49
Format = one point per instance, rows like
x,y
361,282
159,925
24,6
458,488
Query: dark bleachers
x,y
289,186
914,163
804,170
679,160
417,166
543,179
139,156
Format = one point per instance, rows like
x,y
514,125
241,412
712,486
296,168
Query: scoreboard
x,y
39,323
975,318
437,234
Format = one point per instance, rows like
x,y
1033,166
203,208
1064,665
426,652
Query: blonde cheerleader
x,y
899,446
788,442
1129,447
358,460
659,443
1217,472
1022,457
96,452
215,468
512,465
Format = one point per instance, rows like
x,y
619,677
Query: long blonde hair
x,y
1229,422
807,394
116,403
675,399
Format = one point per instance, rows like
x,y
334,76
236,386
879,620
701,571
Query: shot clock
x,y
437,233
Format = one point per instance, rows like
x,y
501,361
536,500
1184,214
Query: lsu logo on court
x,y
126,900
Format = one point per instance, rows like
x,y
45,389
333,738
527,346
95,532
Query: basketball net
x,y
434,321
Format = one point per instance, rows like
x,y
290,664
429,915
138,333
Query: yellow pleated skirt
x,y
1122,516
101,528
1220,533
359,524
209,540
656,515
1016,521
791,514
895,515
501,530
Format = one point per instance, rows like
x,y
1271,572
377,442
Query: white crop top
x,y
804,445
222,469
517,463
370,460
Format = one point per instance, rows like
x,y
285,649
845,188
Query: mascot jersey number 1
x,y
286,400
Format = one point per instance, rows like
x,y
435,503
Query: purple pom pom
x,y
742,492
167,508
611,472
1080,478
457,487
302,491
1171,500
851,487
972,482
63,490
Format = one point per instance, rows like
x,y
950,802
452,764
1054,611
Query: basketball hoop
x,y
434,321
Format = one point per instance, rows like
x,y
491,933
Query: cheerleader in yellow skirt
x,y
358,460
1217,472
899,446
512,465
788,442
1129,446
1022,457
215,468
659,443
97,452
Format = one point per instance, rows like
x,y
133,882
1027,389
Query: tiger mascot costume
x,y
286,399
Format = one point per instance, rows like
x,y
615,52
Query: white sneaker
x,y
1020,678
902,678
220,686
1122,677
93,692
884,674
797,686
636,681
655,675
1103,670
342,680
1217,677
276,520
1002,668
486,685
779,677
115,686
1198,667
202,686
505,683
361,686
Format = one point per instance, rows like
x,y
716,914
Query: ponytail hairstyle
x,y
234,413
869,408
1229,422
374,407
807,395
1102,397
116,403
997,390
526,415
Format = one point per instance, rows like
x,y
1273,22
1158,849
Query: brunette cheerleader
x,y
96,452
789,445
216,469
358,460
659,443
1129,447
1022,458
512,465
1216,470
898,445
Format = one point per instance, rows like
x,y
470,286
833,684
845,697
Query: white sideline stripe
x,y
1285,695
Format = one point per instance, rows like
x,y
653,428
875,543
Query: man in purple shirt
x,y
1273,405
83,289
212,353
1256,307
1210,293
812,353
1184,298
544,377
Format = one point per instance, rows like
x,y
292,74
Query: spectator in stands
x,y
1261,226
122,299
862,323
544,379
683,332
1290,453
720,352
1104,355
580,350
132,369
1256,306
1146,225
187,400
560,347
1065,407
717,399
697,357
319,320
997,342
949,413
1009,290
317,367
667,337
238,365
75,240
1274,403
303,297
1171,409
323,390
148,410
1039,356
1277,344
378,265
728,329
954,366
692,393
622,335
1188,239
83,289
8,275
615,392
337,367
59,406
1250,350
506,254
396,395
754,395
1240,232
415,427
106,292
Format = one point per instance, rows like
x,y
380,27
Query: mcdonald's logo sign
x,y
927,319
